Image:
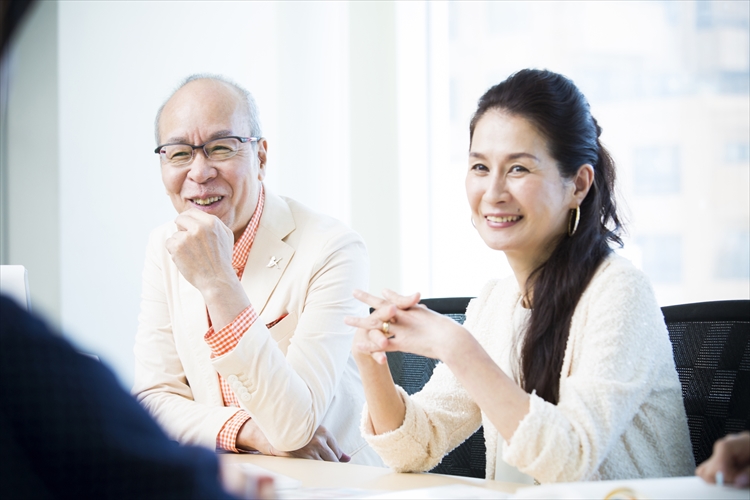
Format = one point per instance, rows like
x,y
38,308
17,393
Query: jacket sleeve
x,y
160,383
438,419
620,351
288,396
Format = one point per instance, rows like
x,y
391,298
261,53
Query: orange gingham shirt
x,y
226,339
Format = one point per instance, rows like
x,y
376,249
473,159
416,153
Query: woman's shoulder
x,y
493,292
619,285
616,270
495,289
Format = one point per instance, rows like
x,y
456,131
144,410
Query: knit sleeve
x,y
617,353
437,420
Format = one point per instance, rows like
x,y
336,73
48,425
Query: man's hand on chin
x,y
202,251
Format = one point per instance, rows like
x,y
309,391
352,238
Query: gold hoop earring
x,y
573,224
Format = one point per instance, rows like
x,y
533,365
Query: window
x,y
662,257
733,256
737,153
669,82
656,170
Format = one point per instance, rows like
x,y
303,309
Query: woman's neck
x,y
522,269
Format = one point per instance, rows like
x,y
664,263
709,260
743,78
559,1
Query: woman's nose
x,y
496,191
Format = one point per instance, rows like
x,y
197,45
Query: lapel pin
x,y
274,262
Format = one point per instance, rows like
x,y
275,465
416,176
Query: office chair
x,y
711,346
412,372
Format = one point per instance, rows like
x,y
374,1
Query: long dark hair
x,y
560,112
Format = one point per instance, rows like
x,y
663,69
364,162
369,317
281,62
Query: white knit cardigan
x,y
620,413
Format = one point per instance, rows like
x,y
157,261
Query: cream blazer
x,y
620,413
291,378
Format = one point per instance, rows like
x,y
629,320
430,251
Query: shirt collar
x,y
242,247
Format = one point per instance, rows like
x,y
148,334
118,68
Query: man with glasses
x,y
241,343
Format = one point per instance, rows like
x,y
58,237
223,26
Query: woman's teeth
x,y
511,218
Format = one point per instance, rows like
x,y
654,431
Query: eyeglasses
x,y
223,148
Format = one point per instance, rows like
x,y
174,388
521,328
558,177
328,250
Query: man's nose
x,y
201,168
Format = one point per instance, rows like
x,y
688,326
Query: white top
x,y
503,470
620,413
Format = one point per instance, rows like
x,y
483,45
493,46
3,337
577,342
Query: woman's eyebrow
x,y
516,156
510,157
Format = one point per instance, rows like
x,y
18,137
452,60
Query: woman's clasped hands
x,y
400,323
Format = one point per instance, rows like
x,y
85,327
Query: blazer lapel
x,y
269,255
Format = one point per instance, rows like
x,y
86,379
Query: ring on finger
x,y
386,326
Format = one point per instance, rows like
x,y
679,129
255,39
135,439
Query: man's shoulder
x,y
163,231
309,223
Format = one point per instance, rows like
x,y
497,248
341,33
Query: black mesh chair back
x,y
711,346
412,372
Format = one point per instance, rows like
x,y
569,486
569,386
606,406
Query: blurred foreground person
x,y
730,461
68,430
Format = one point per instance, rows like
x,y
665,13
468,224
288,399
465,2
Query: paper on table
x,y
453,491
326,493
280,481
668,488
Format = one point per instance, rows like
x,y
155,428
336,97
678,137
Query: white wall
x,y
116,63
30,190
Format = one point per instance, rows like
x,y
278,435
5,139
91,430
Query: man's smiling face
x,y
201,111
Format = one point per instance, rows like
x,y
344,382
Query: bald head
x,y
212,89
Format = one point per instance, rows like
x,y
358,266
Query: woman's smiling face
x,y
520,203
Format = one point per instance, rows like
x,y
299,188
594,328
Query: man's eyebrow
x,y
220,134
184,140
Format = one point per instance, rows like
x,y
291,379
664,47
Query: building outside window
x,y
669,82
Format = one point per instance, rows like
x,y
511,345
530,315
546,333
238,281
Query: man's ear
x,y
582,181
262,157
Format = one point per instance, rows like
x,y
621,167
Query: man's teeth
x,y
206,201
511,218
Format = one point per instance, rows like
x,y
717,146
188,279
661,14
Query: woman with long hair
x,y
567,363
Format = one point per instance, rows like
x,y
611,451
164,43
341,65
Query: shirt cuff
x,y
227,438
227,338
